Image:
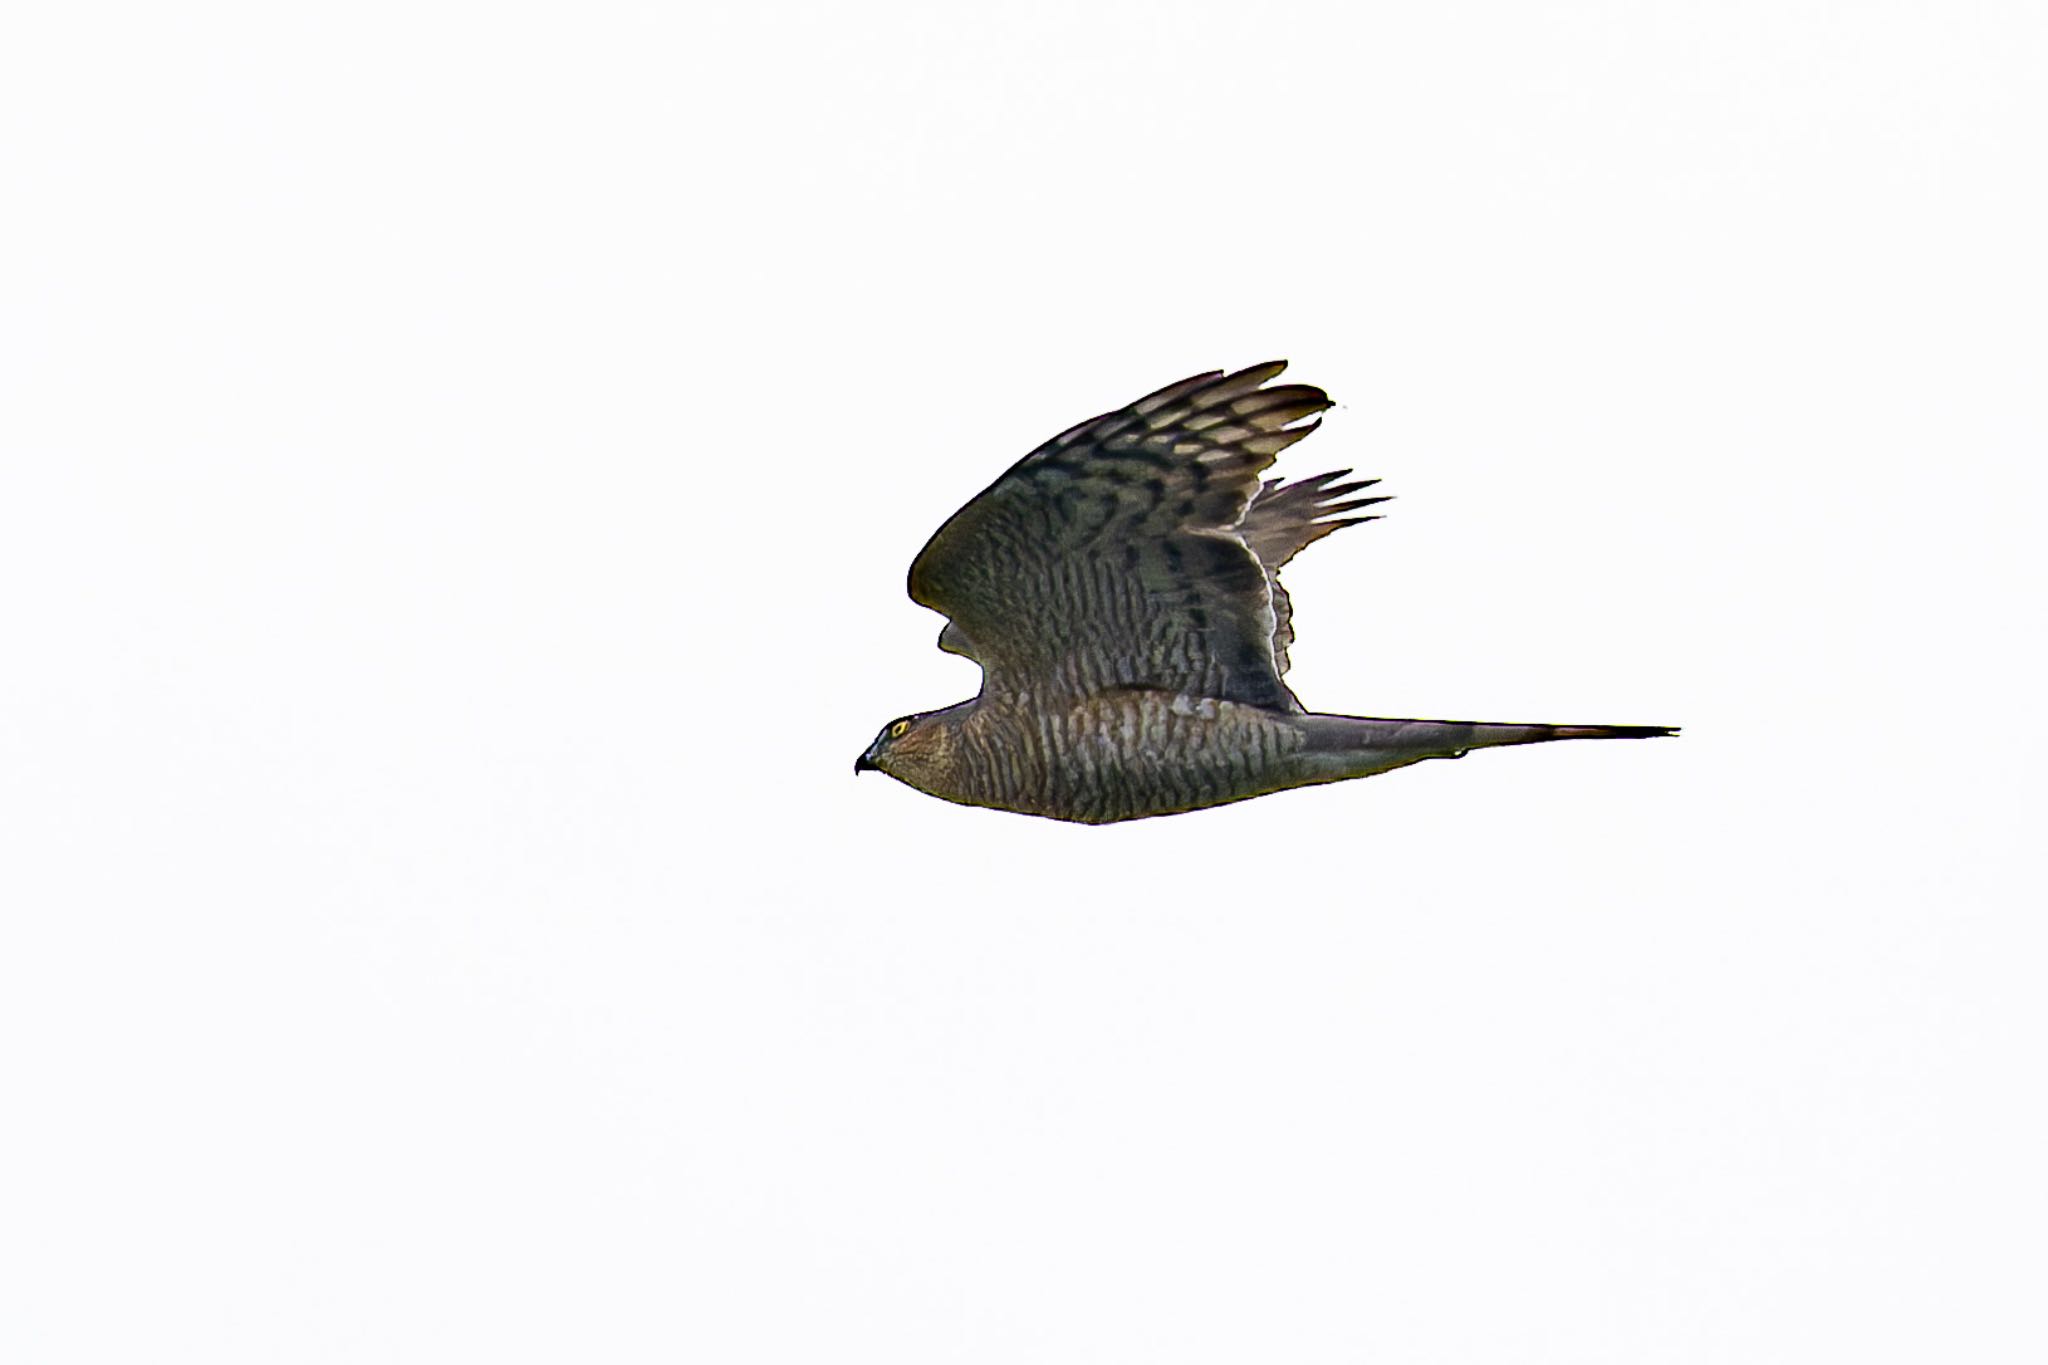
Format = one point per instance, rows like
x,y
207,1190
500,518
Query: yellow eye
x,y
899,729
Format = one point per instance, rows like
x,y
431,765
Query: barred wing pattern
x,y
1138,549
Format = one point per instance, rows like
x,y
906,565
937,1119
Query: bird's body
x,y
1113,755
1119,587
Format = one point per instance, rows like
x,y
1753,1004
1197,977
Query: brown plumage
x,y
1119,587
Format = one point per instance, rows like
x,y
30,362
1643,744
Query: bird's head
x,y
908,748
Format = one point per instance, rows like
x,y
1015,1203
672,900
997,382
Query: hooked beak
x,y
865,763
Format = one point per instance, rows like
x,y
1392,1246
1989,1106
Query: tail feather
x,y
1608,731
1357,746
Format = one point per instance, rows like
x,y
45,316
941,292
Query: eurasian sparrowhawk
x,y
1119,588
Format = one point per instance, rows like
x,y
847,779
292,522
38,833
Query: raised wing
x,y
1113,556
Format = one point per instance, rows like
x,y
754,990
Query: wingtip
x,y
1253,376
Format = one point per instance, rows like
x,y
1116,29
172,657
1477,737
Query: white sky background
x,y
460,464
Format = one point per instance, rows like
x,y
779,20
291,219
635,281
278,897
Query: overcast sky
x,y
458,465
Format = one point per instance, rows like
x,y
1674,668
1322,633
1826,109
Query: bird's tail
x,y
1361,745
1593,732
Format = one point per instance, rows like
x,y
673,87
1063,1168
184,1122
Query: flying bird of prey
x,y
1119,587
